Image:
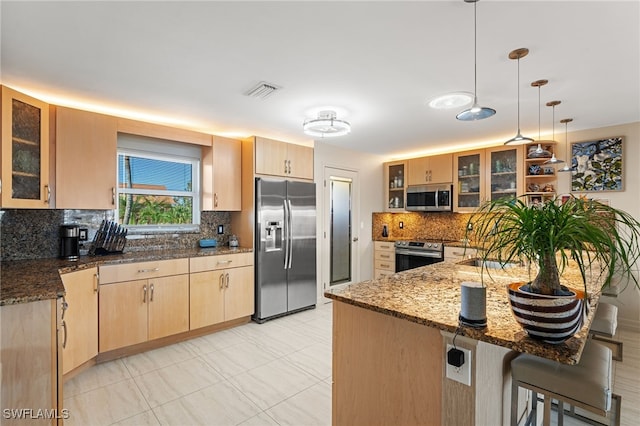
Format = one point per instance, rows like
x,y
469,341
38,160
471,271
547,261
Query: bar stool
x,y
586,385
604,325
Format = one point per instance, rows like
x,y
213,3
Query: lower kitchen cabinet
x,y
222,289
80,318
136,311
384,258
30,370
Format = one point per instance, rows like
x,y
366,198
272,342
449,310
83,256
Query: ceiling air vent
x,y
262,90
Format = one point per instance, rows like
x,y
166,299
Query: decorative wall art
x,y
597,165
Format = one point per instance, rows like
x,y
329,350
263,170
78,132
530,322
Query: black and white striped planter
x,y
552,319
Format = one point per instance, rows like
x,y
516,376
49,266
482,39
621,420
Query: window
x,y
158,183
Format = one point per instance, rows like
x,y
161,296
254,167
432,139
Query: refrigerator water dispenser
x,y
273,236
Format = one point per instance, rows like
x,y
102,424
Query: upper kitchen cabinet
x,y
86,154
395,185
469,180
505,172
283,159
222,175
25,151
540,179
432,169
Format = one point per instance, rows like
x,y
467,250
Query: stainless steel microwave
x,y
429,198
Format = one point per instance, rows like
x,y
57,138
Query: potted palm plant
x,y
551,235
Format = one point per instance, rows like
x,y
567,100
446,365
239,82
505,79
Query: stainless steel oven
x,y
413,254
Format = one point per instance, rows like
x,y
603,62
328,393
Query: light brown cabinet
x,y
222,174
431,169
222,289
80,318
395,185
142,301
86,155
25,151
384,259
282,159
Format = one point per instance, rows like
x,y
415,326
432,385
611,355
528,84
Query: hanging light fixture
x,y
326,125
539,152
518,138
553,159
476,112
566,121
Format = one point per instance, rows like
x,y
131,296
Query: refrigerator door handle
x,y
286,233
290,235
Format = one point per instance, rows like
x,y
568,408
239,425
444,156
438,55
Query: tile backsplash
x,y
420,226
35,234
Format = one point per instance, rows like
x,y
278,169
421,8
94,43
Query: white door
x,y
341,259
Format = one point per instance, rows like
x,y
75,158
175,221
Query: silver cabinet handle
x,y
285,166
144,293
221,281
215,199
113,195
289,163
226,278
64,340
142,271
151,297
224,262
96,278
48,189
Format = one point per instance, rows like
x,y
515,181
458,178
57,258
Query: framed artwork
x,y
597,165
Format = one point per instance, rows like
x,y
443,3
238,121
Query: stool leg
x,y
514,403
546,417
534,408
560,413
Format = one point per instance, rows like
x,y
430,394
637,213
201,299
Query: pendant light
x,y
566,121
518,138
476,112
553,159
539,152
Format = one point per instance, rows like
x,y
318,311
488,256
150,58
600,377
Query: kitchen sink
x,y
488,264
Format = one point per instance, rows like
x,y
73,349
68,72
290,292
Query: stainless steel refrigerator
x,y
285,247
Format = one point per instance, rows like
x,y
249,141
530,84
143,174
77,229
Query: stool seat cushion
x,y
605,320
589,381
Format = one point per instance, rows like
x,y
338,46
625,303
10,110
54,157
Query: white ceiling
x,y
375,62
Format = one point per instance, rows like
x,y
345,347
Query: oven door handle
x,y
433,255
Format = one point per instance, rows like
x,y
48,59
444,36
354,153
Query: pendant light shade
x,y
326,125
476,112
518,139
567,167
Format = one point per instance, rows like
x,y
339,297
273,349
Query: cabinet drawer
x,y
457,253
387,256
383,246
388,265
143,270
379,273
223,261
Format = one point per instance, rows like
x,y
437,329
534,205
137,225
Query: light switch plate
x,y
459,374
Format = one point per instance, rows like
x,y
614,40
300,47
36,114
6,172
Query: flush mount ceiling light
x,y
451,100
326,125
518,138
553,159
566,121
476,112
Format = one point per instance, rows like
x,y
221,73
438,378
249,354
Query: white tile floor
x,y
276,373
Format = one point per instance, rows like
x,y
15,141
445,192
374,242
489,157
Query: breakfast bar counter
x,y
390,339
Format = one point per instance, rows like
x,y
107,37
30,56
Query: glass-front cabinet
x,y
395,185
505,172
469,180
25,151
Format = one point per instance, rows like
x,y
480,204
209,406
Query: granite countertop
x,y
430,295
24,281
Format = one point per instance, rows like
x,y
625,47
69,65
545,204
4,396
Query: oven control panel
x,y
419,245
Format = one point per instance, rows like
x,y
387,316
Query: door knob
x,y
355,239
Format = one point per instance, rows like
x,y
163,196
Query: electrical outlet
x,y
401,225
460,374
220,229
469,226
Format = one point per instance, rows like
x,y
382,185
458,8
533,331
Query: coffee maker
x,y
69,242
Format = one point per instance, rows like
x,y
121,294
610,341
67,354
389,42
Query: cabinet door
x,y
25,151
441,168
168,306
80,317
239,293
227,174
122,314
418,171
86,155
395,183
504,172
469,180
206,294
300,161
270,157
